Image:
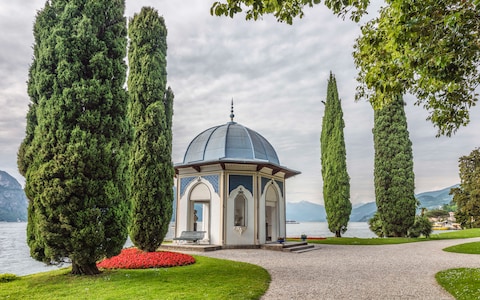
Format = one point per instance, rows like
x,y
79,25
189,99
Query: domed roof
x,y
232,142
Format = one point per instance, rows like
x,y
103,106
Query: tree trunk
x,y
87,269
338,233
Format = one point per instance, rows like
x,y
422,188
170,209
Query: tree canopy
x,y
287,10
467,195
430,49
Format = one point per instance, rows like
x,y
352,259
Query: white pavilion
x,y
234,176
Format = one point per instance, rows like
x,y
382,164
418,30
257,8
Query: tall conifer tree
x,y
151,169
394,177
40,82
74,152
336,182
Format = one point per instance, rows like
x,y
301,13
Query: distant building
x,y
234,174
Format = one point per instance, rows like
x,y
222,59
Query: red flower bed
x,y
132,258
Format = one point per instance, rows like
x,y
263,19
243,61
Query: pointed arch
x,y
240,210
200,192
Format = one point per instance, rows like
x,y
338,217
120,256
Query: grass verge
x,y
208,278
467,248
459,234
462,283
360,241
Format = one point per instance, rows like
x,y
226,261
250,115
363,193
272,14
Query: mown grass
x,y
362,241
468,248
208,278
461,283
459,234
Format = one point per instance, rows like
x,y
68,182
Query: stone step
x,y
293,244
310,248
281,247
294,247
299,248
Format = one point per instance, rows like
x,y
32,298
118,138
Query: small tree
x,y
336,182
151,168
394,177
421,226
467,195
376,226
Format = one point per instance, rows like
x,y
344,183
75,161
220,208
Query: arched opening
x,y
271,214
240,210
199,209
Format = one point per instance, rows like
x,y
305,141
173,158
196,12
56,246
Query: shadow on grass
x,y
208,278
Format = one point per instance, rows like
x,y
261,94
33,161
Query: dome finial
x,y
231,112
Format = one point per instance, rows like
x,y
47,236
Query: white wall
x,y
233,236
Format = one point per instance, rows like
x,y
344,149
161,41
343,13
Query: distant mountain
x,y
436,199
305,211
13,202
364,212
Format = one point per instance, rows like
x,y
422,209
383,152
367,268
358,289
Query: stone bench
x,y
190,236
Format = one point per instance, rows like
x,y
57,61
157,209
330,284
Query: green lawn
x,y
360,241
211,278
468,248
458,234
208,278
462,283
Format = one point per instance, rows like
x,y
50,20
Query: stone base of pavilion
x,y
189,247
207,247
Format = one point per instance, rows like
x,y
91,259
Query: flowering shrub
x,y
132,258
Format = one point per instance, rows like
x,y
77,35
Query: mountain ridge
x,y
305,211
13,202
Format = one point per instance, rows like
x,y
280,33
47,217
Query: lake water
x,y
320,229
15,254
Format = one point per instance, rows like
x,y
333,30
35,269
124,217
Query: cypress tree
x,y
40,82
150,111
74,152
394,177
336,182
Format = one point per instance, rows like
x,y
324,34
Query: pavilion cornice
x,y
223,164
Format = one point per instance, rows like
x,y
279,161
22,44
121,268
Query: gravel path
x,y
404,271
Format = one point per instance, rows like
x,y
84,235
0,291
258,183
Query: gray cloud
x,y
277,75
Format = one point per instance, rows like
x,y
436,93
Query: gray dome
x,y
230,141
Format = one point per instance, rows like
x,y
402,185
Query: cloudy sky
x,y
277,76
